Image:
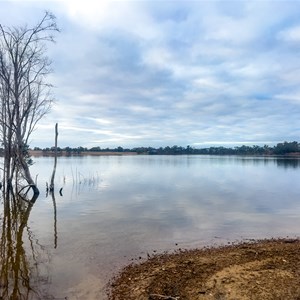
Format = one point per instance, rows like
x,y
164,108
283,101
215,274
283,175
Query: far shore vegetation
x,y
285,148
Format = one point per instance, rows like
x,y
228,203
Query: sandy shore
x,y
267,269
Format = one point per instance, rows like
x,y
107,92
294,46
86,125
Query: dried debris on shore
x,y
265,269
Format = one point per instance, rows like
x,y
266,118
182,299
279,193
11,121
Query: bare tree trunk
x,y
55,160
24,95
30,181
52,186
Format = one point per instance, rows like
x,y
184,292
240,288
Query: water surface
x,y
117,208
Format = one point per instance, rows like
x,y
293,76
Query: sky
x,y
163,73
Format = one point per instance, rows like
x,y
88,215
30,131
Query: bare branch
x,y
24,94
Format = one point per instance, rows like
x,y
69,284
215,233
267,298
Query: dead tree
x,y
55,160
24,93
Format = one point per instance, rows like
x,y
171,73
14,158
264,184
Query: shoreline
x,y
39,153
259,269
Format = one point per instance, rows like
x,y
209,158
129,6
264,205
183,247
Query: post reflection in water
x,y
55,216
24,263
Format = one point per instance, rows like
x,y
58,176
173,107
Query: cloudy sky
x,y
157,73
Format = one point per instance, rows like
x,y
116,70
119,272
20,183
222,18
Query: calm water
x,y
114,209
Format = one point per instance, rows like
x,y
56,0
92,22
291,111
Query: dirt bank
x,y
39,153
268,269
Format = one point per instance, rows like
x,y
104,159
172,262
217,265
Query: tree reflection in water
x,y
24,262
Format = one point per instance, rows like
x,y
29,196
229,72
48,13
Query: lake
x,y
117,209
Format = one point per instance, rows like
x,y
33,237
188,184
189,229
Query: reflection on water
x,y
112,209
288,163
24,261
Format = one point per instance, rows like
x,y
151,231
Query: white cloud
x,y
112,15
290,35
160,72
293,97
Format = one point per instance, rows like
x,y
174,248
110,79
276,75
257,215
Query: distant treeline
x,y
284,148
